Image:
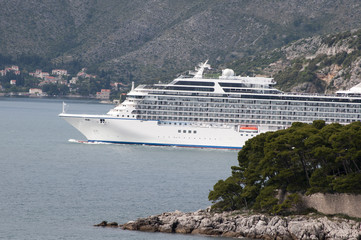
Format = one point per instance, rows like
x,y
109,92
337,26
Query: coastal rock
x,y
150,224
235,224
106,224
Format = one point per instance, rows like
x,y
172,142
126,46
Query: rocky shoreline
x,y
236,225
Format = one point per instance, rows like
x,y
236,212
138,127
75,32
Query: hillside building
x,y
35,91
59,72
104,94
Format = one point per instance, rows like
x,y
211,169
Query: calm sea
x,y
51,188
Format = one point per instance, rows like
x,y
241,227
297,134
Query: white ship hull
x,y
132,131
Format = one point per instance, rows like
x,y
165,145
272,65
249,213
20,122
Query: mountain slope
x,y
320,64
150,40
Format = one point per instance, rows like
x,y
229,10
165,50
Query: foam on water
x,y
87,142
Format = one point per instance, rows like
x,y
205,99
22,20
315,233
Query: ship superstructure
x,y
223,112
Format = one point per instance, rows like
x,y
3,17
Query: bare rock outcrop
x,y
235,224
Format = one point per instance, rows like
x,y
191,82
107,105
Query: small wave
x,y
77,141
86,142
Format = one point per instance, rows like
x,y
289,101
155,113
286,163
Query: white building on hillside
x,y
59,72
35,91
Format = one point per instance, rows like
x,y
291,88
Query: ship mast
x,y
64,107
200,69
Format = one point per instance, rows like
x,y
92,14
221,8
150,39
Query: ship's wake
x,y
86,142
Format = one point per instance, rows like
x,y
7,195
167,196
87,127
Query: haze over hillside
x,y
150,40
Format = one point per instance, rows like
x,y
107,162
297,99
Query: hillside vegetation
x,y
305,158
320,64
151,40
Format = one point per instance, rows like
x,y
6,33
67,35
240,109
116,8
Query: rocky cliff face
x,y
143,40
319,64
338,74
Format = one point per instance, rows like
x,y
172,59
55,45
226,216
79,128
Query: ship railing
x,y
309,94
156,90
196,124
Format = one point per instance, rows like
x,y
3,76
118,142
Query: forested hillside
x,y
151,40
305,158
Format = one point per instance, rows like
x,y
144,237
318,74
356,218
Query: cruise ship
x,y
218,112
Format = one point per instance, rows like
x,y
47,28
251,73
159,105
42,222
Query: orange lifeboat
x,y
248,128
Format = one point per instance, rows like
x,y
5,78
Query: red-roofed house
x,y
103,94
15,68
50,79
39,74
81,74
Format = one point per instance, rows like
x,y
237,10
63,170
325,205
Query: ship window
x,y
198,89
189,131
179,131
194,83
194,131
184,131
87,119
232,85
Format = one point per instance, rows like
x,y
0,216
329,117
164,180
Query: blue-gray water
x,y
54,189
